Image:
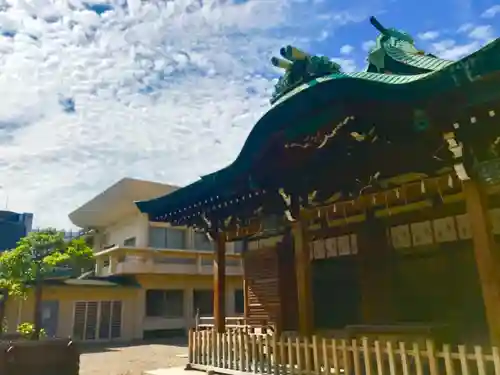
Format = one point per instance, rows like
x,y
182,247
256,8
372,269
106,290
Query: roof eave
x,y
117,202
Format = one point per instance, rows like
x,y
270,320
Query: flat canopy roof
x,y
116,202
343,131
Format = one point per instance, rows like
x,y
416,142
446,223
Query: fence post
x,y
317,367
197,320
478,353
190,349
431,355
496,360
276,356
367,355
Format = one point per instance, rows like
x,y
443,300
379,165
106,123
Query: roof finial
x,y
280,63
391,32
300,68
293,54
378,25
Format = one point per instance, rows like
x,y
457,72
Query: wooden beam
x,y
486,254
220,284
405,194
239,232
303,272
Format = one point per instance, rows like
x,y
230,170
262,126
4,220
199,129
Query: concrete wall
x,y
134,321
137,226
21,310
188,284
132,226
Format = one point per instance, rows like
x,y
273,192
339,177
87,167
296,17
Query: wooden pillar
x,y
375,273
246,310
245,298
303,272
220,284
486,254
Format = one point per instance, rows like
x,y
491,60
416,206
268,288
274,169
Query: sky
x,y
92,91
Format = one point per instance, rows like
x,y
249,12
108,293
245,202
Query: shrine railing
x,y
267,354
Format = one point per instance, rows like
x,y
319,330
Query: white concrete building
x,y
172,265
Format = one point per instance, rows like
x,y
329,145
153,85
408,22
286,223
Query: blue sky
x,y
167,90
448,28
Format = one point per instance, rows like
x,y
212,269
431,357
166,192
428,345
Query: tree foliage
x,y
27,330
46,249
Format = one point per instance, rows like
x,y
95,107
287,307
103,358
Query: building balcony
x,y
128,260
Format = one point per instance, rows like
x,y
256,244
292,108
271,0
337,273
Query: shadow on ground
x,y
86,348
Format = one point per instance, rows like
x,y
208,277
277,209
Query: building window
x,y
167,238
97,320
203,302
105,240
239,246
201,242
129,242
106,261
239,302
165,303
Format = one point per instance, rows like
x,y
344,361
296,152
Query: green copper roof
x,y
417,61
399,47
306,99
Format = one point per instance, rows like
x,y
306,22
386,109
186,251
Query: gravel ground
x,y
132,359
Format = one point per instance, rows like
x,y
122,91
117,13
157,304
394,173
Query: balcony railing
x,y
124,260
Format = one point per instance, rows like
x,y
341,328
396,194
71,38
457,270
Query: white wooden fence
x,y
238,351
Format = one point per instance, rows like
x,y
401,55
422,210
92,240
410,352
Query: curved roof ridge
x,y
284,117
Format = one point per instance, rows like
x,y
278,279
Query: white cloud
x,y
466,27
450,50
482,33
346,49
491,12
348,65
166,91
428,35
368,45
323,36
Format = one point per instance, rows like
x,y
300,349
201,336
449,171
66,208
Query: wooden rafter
x,y
401,195
408,194
238,232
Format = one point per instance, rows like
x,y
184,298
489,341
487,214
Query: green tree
x,y
35,258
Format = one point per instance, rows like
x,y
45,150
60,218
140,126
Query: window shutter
x,y
105,320
97,320
91,321
79,320
116,320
